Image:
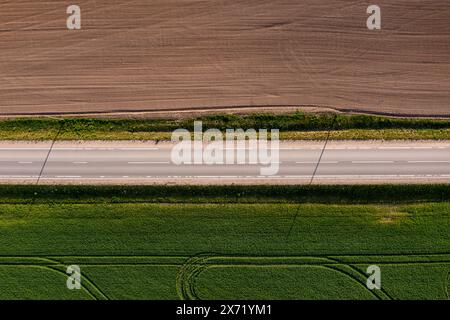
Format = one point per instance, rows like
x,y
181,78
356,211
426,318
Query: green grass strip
x,y
339,194
296,125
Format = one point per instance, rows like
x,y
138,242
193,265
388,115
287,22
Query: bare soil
x,y
173,55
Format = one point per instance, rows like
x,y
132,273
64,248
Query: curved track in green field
x,y
447,287
190,269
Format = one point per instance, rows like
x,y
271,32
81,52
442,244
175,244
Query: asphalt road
x,y
135,163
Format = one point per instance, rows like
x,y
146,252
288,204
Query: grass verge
x,y
344,194
296,126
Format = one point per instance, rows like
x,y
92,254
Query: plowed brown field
x,y
180,54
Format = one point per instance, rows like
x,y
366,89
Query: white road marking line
x,y
67,177
395,148
370,176
28,149
80,149
313,148
148,162
25,162
337,177
373,161
16,177
430,161
217,177
272,148
257,163
138,149
20,176
79,162
315,162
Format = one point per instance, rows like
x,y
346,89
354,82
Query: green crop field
x,y
224,251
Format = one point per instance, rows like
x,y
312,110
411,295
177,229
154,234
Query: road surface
x,y
148,163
